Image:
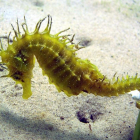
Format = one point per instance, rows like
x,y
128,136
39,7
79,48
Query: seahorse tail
x,y
127,84
104,87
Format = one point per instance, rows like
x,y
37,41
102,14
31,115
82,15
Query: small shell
x,y
135,95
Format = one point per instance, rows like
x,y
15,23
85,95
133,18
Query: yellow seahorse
x,y
57,58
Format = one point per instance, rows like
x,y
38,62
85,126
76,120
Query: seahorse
x,y
56,55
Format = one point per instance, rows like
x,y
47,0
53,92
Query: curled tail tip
x,y
138,104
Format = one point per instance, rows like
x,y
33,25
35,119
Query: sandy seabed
x,y
110,32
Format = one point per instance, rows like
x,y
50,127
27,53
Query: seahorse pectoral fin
x,y
26,89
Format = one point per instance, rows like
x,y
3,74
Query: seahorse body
x,y
56,56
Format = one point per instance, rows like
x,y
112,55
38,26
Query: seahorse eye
x,y
17,76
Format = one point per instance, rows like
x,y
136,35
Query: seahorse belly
x,y
58,63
